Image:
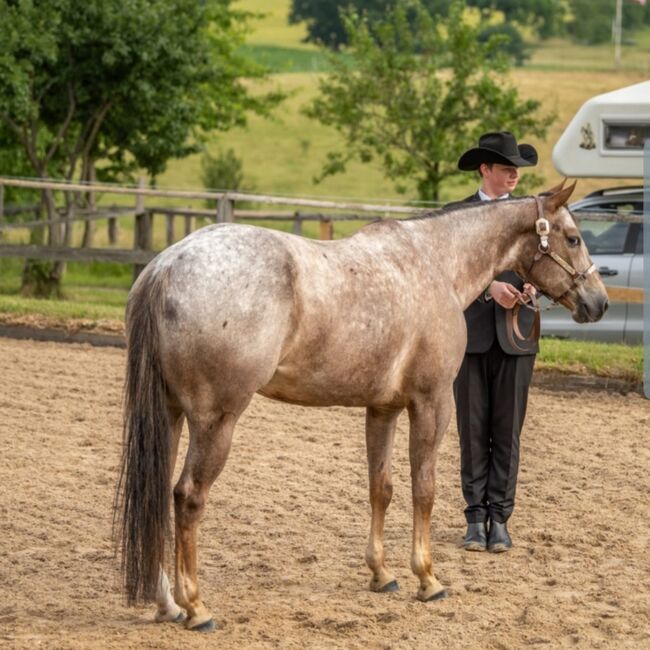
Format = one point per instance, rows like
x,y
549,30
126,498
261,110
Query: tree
x,y
591,20
128,83
325,23
415,93
544,16
324,18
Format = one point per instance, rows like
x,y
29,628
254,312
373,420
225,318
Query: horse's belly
x,y
323,388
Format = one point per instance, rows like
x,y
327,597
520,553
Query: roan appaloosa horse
x,y
373,320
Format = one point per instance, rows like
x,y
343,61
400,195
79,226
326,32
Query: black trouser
x,y
491,393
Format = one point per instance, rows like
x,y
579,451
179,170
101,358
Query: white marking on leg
x,y
168,610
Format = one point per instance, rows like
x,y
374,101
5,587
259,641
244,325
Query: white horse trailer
x,y
605,139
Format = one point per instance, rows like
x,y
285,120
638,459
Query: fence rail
x,y
193,194
67,254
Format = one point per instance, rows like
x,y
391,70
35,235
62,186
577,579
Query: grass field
x,y
282,156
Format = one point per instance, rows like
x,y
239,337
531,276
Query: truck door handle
x,y
605,270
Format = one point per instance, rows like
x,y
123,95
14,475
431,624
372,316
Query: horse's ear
x,y
556,188
558,199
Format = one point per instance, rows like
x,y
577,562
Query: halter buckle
x,y
543,229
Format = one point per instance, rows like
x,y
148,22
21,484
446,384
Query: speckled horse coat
x,y
374,320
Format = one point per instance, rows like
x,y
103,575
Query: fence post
x,y
112,230
296,229
170,229
188,224
326,227
142,232
91,206
2,209
225,210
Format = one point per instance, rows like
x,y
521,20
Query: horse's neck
x,y
479,243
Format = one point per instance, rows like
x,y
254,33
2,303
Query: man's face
x,y
499,179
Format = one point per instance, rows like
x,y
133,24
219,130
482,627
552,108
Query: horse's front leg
x,y
429,418
380,432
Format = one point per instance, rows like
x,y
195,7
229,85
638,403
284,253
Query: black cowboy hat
x,y
498,147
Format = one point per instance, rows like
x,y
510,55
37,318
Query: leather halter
x,y
543,229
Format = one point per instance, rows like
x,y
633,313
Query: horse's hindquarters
x,y
227,312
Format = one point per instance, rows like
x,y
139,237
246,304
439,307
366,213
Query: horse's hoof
x,y
389,587
441,595
206,626
165,618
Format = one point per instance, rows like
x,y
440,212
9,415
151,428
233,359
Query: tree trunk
x,y
429,185
42,279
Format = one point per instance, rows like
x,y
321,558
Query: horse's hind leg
x,y
380,432
210,438
167,609
429,418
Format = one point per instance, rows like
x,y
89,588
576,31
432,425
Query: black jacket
x,y
487,319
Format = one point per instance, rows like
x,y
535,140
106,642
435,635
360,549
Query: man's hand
x,y
529,292
504,293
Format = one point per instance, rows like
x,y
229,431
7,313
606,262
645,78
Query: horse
x,y
373,320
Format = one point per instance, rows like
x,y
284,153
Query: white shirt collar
x,y
484,197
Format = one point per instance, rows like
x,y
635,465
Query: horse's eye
x,y
573,241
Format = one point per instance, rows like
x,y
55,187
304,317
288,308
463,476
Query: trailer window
x,y
628,136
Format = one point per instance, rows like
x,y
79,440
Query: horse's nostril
x,y
605,305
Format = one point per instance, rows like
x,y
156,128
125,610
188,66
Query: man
x,y
491,389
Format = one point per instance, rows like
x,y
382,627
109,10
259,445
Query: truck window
x,y
604,238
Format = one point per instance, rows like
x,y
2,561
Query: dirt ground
x,y
283,540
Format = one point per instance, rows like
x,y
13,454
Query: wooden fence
x,y
142,251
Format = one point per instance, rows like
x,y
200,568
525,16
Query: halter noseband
x,y
543,229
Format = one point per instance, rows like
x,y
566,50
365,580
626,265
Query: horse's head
x,y
559,262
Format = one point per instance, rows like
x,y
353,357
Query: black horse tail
x,y
142,501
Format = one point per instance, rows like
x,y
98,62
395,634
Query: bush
x,y
513,42
225,171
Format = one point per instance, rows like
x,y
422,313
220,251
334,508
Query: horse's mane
x,y
459,205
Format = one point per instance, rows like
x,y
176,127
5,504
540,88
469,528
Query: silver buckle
x,y
543,229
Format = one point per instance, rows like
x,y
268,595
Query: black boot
x,y
498,539
476,537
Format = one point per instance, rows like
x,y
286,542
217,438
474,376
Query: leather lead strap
x,y
513,331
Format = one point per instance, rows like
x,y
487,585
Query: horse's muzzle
x,y
590,308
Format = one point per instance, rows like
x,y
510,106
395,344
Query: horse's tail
x,y
142,501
